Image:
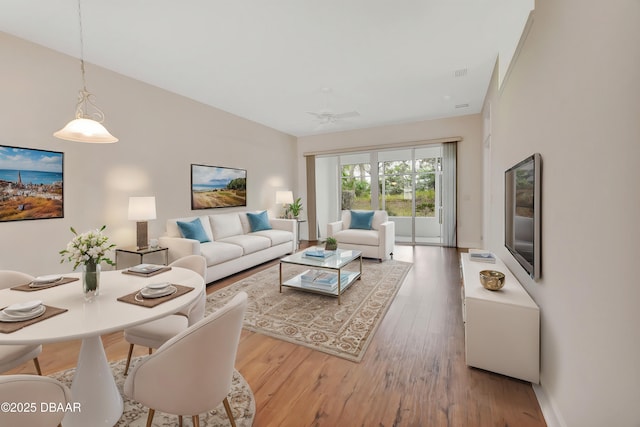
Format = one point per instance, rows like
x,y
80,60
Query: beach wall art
x,y
217,187
31,184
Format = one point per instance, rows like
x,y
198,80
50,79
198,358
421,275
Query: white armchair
x,y
377,242
36,389
154,334
12,356
192,372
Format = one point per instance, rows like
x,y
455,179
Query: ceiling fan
x,y
326,116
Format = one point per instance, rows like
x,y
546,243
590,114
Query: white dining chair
x,y
192,372
31,392
12,356
154,334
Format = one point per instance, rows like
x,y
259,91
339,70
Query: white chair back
x,y
192,372
197,263
10,278
28,389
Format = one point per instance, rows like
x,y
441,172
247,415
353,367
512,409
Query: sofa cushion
x,y
193,230
225,225
259,221
248,243
277,237
174,231
358,237
361,220
219,252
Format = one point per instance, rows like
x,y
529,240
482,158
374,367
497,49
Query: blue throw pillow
x,y
193,230
361,220
259,221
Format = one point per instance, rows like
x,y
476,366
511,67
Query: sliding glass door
x,y
416,186
409,182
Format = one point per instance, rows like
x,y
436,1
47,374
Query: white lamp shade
x,y
85,130
142,208
284,197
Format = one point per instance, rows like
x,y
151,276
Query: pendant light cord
x,y
84,83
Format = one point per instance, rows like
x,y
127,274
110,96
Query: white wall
x,y
161,135
572,95
469,160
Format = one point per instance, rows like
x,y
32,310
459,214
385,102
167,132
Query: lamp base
x,y
142,237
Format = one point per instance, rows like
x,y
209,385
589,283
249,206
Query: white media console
x,y
501,328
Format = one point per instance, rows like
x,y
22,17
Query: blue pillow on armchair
x,y
193,230
259,221
361,220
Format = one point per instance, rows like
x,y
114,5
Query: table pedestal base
x,y
94,388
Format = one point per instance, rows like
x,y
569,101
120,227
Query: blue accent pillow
x,y
361,220
193,230
259,221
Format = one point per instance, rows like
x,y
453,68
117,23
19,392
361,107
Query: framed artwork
x,y
217,187
31,184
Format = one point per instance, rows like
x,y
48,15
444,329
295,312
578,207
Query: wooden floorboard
x,y
413,373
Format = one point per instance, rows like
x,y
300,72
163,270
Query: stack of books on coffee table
x,y
321,279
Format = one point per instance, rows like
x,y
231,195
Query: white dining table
x,y
93,387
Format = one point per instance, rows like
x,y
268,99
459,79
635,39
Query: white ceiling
x,y
268,61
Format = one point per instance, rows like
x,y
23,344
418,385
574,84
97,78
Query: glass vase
x,y
90,281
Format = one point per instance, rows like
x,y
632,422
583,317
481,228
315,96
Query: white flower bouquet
x,y
88,248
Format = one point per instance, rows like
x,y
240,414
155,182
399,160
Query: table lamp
x,y
285,197
142,209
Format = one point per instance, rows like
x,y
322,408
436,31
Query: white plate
x,y
38,311
157,286
158,293
47,279
22,307
145,268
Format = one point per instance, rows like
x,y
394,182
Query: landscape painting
x,y
217,187
31,184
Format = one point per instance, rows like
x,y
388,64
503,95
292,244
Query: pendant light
x,y
87,126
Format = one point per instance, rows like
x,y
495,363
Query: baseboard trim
x,y
549,410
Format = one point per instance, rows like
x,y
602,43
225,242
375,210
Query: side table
x,y
141,254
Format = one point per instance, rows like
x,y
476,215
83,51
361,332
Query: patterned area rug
x,y
317,321
240,398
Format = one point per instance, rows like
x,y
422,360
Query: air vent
x,y
462,105
462,72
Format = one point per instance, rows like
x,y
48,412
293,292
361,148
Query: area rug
x,y
317,321
240,398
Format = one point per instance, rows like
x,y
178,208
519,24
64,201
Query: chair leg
x,y
150,417
227,408
196,420
179,420
150,350
37,364
126,367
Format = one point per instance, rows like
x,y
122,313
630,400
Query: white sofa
x,y
378,242
233,247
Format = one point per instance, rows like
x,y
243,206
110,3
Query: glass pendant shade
x,y
85,130
87,126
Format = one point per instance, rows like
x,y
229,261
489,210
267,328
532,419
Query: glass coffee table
x,y
324,275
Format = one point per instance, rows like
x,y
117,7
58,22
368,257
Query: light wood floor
x,y
413,373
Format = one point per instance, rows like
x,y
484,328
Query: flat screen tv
x,y
523,213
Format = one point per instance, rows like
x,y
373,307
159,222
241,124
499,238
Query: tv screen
x,y
523,213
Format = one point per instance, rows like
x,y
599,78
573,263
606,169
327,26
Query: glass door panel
x,y
355,183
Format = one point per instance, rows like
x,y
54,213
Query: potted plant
x,y
331,244
295,208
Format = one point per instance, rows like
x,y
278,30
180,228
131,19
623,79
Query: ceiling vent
x,y
462,72
462,105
